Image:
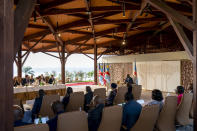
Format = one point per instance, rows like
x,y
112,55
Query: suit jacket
x,y
94,117
20,123
65,101
51,80
131,113
129,80
110,99
88,98
37,106
52,123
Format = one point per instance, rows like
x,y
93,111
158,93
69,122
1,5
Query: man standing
x,y
129,80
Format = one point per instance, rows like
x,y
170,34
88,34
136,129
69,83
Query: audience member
x,y
57,108
129,80
179,92
17,81
157,98
26,80
18,116
66,98
131,112
95,115
32,79
42,77
88,98
110,98
37,104
51,79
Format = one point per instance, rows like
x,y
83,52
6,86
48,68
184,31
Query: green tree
x,y
28,70
90,74
81,75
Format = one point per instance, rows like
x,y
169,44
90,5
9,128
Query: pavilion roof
x,y
102,22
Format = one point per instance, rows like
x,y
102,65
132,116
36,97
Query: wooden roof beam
x,y
54,4
37,26
175,15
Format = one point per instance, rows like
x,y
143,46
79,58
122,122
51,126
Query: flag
x,y
104,80
101,74
107,74
135,73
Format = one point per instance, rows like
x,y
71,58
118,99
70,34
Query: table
x,y
31,92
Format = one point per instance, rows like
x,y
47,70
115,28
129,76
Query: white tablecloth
x,y
37,88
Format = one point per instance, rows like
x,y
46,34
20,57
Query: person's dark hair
x,y
41,92
128,96
57,106
88,89
113,85
128,75
180,89
157,95
69,90
18,113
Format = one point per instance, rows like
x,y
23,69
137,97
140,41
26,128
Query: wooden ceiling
x,y
82,23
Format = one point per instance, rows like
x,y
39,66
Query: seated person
x,y
18,116
17,81
37,104
32,79
57,108
129,80
88,98
131,112
179,92
26,80
110,98
51,79
157,98
67,97
95,115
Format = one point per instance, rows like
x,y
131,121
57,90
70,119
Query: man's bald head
x,y
98,100
18,113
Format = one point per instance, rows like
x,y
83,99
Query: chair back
x,y
111,119
46,105
101,92
191,113
76,101
167,115
17,102
147,118
38,127
182,115
72,121
119,98
136,90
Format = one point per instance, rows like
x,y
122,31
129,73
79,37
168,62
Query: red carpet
x,y
80,83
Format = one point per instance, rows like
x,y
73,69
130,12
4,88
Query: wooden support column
x,y
195,62
95,64
63,62
19,65
6,66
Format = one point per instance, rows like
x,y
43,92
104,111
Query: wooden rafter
x,y
54,4
173,13
51,55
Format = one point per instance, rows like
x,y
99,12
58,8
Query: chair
x,y
46,105
147,119
111,119
136,90
191,113
120,95
100,92
182,116
38,127
72,121
76,101
167,115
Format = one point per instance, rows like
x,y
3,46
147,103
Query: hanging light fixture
x,y
123,6
124,42
34,16
57,26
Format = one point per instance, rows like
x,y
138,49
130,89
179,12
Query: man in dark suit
x,y
26,80
88,98
37,104
18,116
112,95
95,115
129,80
51,79
58,108
131,112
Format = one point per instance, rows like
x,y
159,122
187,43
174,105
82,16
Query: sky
x,y
43,63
